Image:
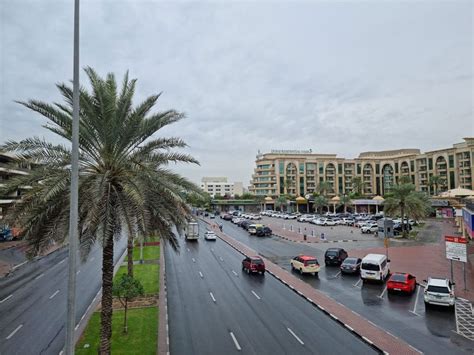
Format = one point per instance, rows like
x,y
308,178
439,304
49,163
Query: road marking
x,y
258,297
234,272
13,333
61,352
78,272
292,333
53,295
237,345
212,296
200,274
17,266
6,298
367,340
357,284
416,301
194,260
62,261
39,276
220,258
336,276
383,292
76,327
349,327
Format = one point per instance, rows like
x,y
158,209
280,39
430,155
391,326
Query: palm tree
x,y
324,187
403,200
358,186
124,182
436,181
345,201
280,202
319,202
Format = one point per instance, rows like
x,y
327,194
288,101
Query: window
x,y
282,184
437,289
412,165
339,168
451,161
371,267
452,180
377,168
430,163
282,167
302,168
398,278
359,171
340,184
321,168
396,168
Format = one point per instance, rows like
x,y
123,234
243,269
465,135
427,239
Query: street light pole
x,y
74,201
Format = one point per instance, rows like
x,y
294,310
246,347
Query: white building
x,y
220,186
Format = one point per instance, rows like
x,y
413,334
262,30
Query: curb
x,y
364,339
163,328
318,241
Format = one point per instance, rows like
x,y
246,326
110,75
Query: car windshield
x,y
438,289
257,261
398,278
371,267
350,261
331,252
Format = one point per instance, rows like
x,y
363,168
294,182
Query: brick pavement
x,y
368,331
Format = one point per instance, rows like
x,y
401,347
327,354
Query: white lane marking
x,y
61,352
293,333
416,301
337,275
6,298
13,333
237,345
220,258
333,316
62,261
212,296
39,276
17,266
78,272
194,260
349,327
357,284
258,297
53,295
200,274
77,326
234,272
383,292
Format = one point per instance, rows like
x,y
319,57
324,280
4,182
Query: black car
x,y
245,224
263,232
351,265
227,217
334,256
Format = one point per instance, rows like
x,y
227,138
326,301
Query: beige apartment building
x,y
299,172
220,186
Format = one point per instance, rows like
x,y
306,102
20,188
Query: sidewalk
x,y
297,234
368,331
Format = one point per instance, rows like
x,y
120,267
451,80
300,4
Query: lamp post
x,y
74,199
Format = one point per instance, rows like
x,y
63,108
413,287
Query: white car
x,y
210,235
369,228
318,221
440,292
326,222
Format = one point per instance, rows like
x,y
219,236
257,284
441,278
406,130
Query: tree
x,y
124,181
436,181
280,202
247,196
319,202
358,186
345,201
403,200
126,288
324,187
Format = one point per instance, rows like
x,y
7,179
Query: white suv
x,y
439,291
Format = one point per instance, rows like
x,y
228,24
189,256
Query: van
x,y
375,267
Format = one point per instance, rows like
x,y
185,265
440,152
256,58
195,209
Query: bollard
x,y
299,230
283,226
291,228
312,232
304,237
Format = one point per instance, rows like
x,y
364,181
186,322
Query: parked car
x,y
439,291
252,229
360,223
334,256
401,282
369,228
305,218
348,221
245,224
212,216
305,264
291,216
263,232
375,267
351,265
328,222
253,264
227,217
210,235
317,221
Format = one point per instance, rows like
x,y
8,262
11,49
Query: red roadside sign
x,y
452,239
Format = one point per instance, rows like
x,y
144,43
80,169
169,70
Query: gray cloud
x,y
335,77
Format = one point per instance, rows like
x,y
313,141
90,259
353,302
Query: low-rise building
x,y
220,186
9,169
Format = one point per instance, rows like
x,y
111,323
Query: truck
x,y
191,231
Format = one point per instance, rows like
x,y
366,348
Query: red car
x,y
401,282
253,264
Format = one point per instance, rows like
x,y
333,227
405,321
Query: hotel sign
x,y
278,151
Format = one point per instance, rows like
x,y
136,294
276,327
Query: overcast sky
x,y
338,78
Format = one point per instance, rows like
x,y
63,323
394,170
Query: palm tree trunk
x,y
107,280
130,256
125,328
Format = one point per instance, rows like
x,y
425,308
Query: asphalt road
x,y
404,316
33,301
216,308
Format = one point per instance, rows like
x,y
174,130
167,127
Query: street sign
x,y
456,248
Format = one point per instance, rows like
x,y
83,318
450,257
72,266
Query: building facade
x,y
220,186
9,169
298,173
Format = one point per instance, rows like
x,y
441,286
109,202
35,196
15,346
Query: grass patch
x,y
149,253
140,339
146,273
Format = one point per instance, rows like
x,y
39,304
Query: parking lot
x,y
404,316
